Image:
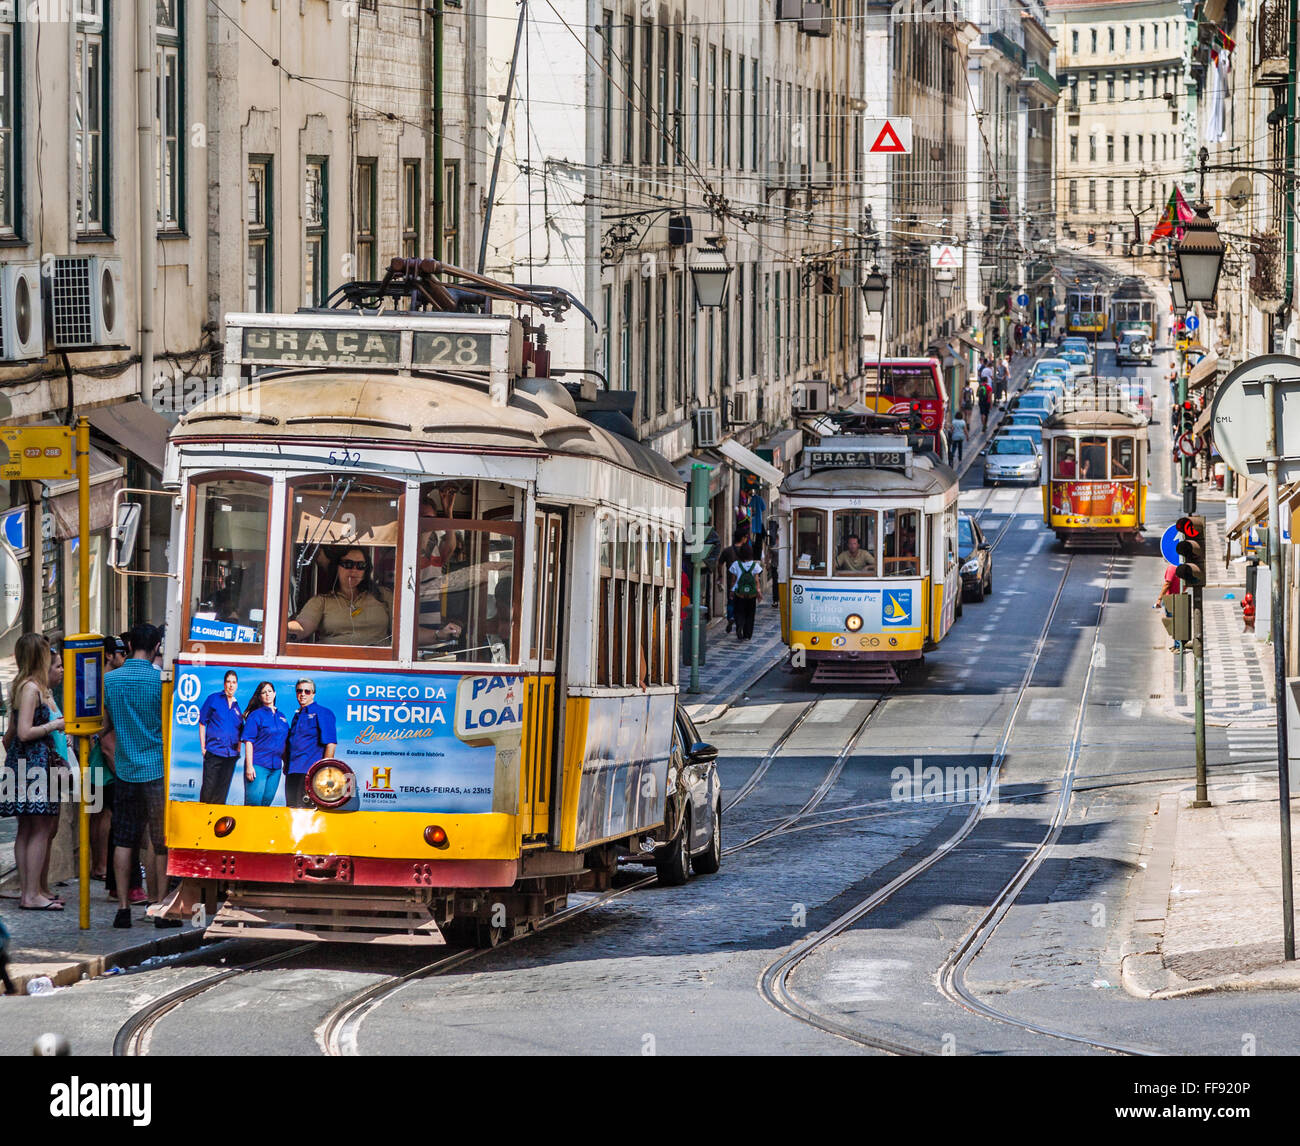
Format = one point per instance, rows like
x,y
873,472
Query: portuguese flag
x,y
1176,214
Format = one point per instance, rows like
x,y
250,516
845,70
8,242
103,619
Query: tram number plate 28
x,y
452,351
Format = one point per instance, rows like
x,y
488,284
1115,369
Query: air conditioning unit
x,y
821,175
87,303
707,432
22,317
789,9
812,396
815,20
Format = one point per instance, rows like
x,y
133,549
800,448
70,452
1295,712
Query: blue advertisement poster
x,y
817,609
415,742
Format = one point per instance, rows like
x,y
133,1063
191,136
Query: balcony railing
x,y
1037,74
1266,276
1272,41
1007,47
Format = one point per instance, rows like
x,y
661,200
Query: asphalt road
x,y
1060,672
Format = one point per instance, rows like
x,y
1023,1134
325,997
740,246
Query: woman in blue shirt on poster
x,y
266,731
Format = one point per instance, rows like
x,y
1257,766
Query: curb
x,y
720,708
66,973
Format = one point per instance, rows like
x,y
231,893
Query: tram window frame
x,y
631,616
298,648
1114,458
206,644
892,517
1093,442
952,557
815,569
839,544
1059,456
605,528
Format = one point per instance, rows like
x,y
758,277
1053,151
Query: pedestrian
x,y
27,785
957,439
986,376
220,726
757,522
265,735
1170,587
1002,380
725,558
133,713
985,404
313,736
746,587
1020,337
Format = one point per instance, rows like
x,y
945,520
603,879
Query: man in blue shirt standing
x,y
221,725
133,713
312,737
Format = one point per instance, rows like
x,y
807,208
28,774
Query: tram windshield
x,y
902,535
810,541
1121,457
855,543
227,594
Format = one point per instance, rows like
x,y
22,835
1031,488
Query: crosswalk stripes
x,y
1252,743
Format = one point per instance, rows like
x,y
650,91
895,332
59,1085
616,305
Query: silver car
x,y
1012,458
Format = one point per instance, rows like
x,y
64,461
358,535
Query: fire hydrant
x,y
1248,611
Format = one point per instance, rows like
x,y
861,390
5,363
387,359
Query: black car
x,y
976,557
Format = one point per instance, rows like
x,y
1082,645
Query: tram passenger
x,y
312,736
854,559
266,732
357,612
1067,467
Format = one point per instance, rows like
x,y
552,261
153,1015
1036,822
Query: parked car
x,y
1074,342
1133,347
1033,430
1036,402
693,824
1060,366
1080,364
976,557
1012,458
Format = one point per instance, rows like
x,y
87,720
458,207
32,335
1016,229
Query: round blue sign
x,y
1022,300
1168,544
1192,322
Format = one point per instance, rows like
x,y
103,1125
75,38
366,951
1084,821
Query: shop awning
x,y
105,481
1251,509
1203,371
748,460
134,425
785,447
1203,422
966,340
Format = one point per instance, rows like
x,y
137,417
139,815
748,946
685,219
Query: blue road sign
x,y
14,527
1168,545
1022,300
1192,322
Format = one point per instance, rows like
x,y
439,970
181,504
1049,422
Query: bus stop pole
x,y
83,620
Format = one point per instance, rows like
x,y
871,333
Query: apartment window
x,y
607,297
1110,149
1092,87
713,104
412,198
753,115
1092,194
726,110
1142,38
1110,38
629,90
679,365
316,248
1153,149
1125,192
258,293
1074,43
1074,149
1127,89
367,221
1094,41
646,94
1164,147
1110,88
625,338
643,339
661,328
1110,194
1128,39
169,112
607,71
679,64
1126,139
695,100
740,114
1142,79
451,211
1074,194
9,107
89,117
756,319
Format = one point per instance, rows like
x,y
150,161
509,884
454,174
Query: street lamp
x,y
873,290
944,280
1200,257
710,272
1176,288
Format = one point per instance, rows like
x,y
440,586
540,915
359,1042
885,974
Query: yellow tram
x,y
867,567
508,734
1095,471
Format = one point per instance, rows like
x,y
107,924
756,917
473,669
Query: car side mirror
x,y
985,545
702,753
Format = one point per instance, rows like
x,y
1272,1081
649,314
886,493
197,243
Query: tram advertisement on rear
x,y
414,743
1094,502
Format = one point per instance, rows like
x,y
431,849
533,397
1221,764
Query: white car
x,y
1133,346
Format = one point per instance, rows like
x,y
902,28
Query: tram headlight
x,y
330,783
853,622
435,836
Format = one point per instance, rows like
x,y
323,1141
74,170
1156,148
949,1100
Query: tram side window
x,y
228,578
810,541
343,561
1092,458
1064,463
1121,458
605,631
855,543
468,550
902,537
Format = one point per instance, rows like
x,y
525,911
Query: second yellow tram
x,y
1094,475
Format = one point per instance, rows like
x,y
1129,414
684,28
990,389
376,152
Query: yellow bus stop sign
x,y
37,452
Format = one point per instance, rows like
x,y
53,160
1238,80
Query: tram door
x,y
542,690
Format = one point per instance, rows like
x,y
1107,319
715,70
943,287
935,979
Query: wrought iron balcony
x,y
1272,40
1266,268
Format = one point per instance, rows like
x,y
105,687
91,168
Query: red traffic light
x,y
1188,405
1188,527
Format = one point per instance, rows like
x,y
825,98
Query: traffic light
x,y
1191,550
914,425
1187,417
997,338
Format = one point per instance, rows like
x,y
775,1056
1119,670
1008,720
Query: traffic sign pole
x,y
83,605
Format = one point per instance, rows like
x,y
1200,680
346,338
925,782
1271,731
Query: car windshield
x,y
1011,446
965,535
1040,401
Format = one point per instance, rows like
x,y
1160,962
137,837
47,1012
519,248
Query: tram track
x,y
774,982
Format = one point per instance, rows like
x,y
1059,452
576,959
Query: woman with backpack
x,y
746,587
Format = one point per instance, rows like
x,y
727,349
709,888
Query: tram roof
x,y
1094,420
416,410
929,475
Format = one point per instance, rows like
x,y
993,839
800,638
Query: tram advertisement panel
x,y
1094,503
415,742
817,609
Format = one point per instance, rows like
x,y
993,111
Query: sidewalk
x,y
1207,912
733,666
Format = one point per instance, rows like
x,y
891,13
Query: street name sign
x,y
1239,417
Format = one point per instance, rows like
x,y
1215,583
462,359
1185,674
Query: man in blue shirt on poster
x,y
312,736
221,725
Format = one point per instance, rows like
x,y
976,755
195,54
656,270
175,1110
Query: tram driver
x,y
854,559
356,612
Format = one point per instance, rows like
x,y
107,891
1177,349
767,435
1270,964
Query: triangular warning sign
x,y
947,258
888,140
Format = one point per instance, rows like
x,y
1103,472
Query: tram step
x,y
398,921
847,672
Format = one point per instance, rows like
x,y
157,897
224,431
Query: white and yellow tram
x,y
502,698
867,564
1095,472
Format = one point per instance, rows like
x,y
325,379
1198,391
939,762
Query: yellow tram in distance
x,y
1095,471
867,568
